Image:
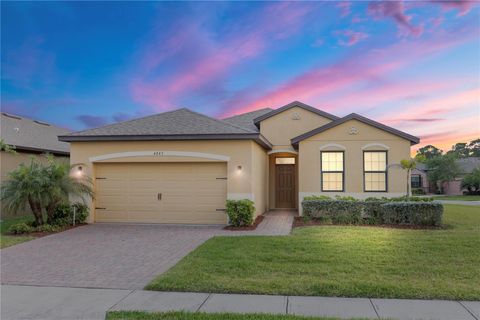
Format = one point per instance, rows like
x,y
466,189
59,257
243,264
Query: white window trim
x,y
370,145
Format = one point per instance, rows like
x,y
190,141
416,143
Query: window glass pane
x,y
375,182
375,161
285,160
332,181
332,161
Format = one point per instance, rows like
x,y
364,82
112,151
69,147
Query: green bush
x,y
240,212
418,191
20,228
63,215
317,198
334,211
374,211
346,198
48,228
413,213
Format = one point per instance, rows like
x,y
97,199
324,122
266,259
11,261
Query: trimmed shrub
x,y
334,211
63,215
20,228
413,213
418,191
48,228
317,198
240,212
346,198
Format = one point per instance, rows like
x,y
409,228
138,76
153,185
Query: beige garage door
x,y
191,193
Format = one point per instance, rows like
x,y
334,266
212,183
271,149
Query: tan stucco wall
x,y
309,159
9,162
240,183
259,178
280,128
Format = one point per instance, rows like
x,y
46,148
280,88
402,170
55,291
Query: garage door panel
x,y
190,192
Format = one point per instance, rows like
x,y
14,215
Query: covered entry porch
x,y
283,179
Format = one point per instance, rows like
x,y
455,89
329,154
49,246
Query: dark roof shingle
x,y
245,120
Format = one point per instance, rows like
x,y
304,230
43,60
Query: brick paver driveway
x,y
113,255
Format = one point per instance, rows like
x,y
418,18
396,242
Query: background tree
x,y
408,165
471,181
442,168
474,147
461,150
6,147
429,152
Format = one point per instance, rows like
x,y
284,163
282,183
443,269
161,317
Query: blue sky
x,y
412,65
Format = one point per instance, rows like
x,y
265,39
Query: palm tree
x,y
43,188
24,187
409,165
60,185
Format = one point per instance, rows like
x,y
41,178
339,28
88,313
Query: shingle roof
x,y
245,120
292,105
354,116
181,124
467,165
33,135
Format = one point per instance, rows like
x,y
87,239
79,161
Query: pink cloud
x,y
277,21
352,37
396,11
463,6
345,8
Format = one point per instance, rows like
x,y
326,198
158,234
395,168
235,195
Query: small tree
x,y
408,165
442,168
471,181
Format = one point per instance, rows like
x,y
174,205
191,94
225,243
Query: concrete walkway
x,y
464,203
26,302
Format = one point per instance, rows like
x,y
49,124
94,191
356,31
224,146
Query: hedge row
x,y
417,213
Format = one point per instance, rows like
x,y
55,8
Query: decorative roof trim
x,y
292,105
258,138
332,145
354,116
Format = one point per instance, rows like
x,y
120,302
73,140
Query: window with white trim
x,y
375,171
332,170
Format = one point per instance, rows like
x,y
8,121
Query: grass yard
x,y
8,240
460,198
138,315
341,261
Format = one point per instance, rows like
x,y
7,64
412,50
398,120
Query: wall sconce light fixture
x,y
239,167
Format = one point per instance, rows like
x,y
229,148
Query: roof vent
x,y
11,116
42,123
16,129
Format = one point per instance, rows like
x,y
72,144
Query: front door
x,y
285,186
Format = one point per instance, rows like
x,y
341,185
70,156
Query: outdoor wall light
x,y
79,172
239,167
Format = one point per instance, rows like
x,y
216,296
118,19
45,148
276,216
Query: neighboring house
x,y
453,187
31,138
181,166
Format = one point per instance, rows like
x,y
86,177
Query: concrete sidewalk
x,y
27,302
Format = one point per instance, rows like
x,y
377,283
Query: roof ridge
x,y
127,121
217,120
243,114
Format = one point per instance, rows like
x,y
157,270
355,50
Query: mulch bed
x,y
244,228
301,222
37,234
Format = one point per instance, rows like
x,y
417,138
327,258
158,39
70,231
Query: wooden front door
x,y
285,186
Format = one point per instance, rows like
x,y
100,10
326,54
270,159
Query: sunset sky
x,y
411,65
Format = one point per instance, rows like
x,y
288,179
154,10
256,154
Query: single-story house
x,y
454,187
181,166
31,138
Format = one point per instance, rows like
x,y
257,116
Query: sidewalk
x,y
26,302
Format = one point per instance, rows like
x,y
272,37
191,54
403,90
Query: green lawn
x,y
461,198
341,261
138,315
8,240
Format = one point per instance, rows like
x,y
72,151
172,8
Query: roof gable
x,y
292,105
354,116
32,135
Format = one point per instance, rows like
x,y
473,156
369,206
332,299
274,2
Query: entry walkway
x,y
26,302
